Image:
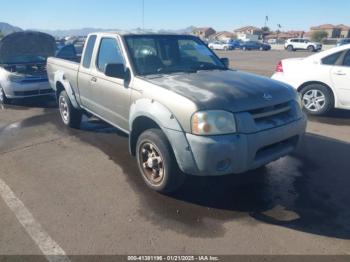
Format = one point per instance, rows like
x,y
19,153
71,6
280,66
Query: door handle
x,y
340,73
94,79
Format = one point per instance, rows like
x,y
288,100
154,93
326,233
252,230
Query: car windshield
x,y
157,54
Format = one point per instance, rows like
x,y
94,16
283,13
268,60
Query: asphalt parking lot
x,y
84,194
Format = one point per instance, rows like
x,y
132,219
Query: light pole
x,y
143,15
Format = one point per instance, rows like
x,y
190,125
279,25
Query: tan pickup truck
x,y
185,112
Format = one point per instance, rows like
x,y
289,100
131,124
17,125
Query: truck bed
x,y
68,68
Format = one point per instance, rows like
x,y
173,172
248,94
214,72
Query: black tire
x,y
324,107
290,48
170,178
311,48
3,99
70,116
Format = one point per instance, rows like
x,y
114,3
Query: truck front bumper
x,y
238,153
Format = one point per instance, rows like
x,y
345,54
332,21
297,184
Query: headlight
x,y
214,122
15,78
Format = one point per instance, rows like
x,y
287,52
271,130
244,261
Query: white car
x,y
302,44
23,65
217,45
323,79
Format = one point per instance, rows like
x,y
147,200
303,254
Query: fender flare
x,y
60,78
155,111
168,123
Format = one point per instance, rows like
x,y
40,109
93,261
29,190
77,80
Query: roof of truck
x,y
138,34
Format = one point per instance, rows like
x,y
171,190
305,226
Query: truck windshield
x,y
157,54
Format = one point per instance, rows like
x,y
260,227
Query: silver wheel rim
x,y
152,163
63,105
314,100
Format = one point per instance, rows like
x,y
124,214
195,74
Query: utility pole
x,y
143,15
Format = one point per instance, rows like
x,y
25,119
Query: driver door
x,y
111,95
340,74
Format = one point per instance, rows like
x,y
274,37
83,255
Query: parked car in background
x,y
254,45
343,41
272,41
67,52
294,44
184,110
23,65
217,45
235,43
323,79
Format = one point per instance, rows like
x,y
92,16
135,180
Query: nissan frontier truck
x,y
184,110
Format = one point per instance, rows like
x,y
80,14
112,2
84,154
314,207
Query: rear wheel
x,y
317,99
3,98
70,116
290,48
157,162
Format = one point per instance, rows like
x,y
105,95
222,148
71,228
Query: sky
x,y
172,14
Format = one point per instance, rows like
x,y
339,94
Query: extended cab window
x,y
346,61
88,51
109,53
331,59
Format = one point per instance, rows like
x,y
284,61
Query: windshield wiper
x,y
187,70
210,67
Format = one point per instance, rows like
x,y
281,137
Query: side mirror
x,y
115,70
225,61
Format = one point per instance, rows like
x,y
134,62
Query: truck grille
x,y
271,111
272,116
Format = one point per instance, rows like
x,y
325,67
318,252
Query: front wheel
x,y
3,98
311,48
317,99
157,162
70,116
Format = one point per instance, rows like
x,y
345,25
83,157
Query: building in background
x,y
203,32
249,33
223,36
333,31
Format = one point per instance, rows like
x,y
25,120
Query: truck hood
x,y
234,91
23,47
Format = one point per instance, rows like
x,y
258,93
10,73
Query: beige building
x,y
203,32
285,35
249,30
333,31
223,36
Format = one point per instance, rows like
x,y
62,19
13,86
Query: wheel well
x,y
140,125
315,83
59,89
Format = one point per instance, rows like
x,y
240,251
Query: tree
x,y
265,29
1,35
318,36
